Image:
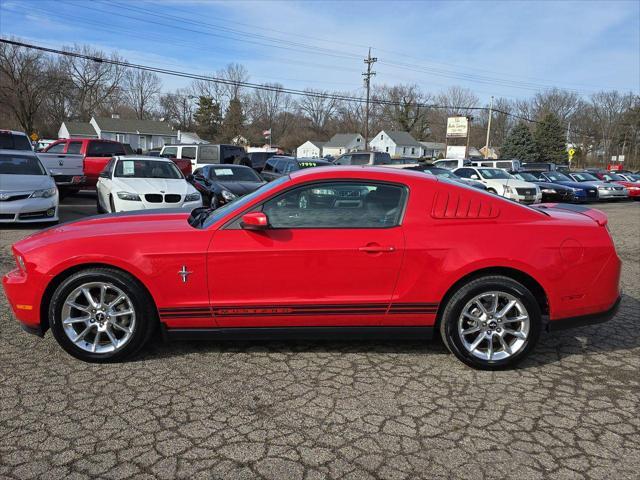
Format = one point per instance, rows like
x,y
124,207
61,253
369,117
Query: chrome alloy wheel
x,y
493,326
98,317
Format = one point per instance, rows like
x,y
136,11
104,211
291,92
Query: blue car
x,y
584,192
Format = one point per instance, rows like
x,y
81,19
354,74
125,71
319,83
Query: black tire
x,y
141,302
112,205
453,311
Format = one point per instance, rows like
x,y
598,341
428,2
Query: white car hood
x,y
143,186
512,182
25,183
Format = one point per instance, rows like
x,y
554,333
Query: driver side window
x,y
338,205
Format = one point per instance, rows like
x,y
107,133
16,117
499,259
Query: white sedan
x,y
139,183
500,182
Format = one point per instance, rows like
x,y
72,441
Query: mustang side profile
x,y
323,250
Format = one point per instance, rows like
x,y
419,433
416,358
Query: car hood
x,y
580,185
24,183
240,188
142,222
556,186
152,185
512,183
594,184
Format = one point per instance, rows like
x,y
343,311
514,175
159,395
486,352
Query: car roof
x,y
13,132
340,172
226,165
11,151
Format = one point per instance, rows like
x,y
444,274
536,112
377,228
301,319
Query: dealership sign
x,y
457,127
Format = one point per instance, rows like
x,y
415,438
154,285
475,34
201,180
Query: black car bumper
x,y
583,320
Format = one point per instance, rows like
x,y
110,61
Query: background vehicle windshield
x,y
558,177
585,177
441,172
20,165
9,141
234,174
493,173
241,202
614,177
147,169
527,177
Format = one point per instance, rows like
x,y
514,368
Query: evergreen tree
x,y
233,123
550,142
207,118
520,144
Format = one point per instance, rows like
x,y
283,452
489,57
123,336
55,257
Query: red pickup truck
x,y
97,153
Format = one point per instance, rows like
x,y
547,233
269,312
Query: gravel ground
x,y
324,410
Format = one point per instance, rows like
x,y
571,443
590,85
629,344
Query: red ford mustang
x,y
323,251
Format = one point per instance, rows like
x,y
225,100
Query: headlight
x,y
192,197
20,263
49,192
548,190
227,195
133,197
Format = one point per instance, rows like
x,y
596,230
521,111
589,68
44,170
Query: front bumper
x,y
30,210
24,297
70,180
582,320
130,206
612,194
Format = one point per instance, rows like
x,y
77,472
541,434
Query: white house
x,y
142,134
310,149
433,149
76,130
189,137
342,143
396,144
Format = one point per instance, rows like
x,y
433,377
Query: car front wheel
x,y
101,315
491,323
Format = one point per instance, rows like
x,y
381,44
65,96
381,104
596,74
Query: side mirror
x,y
189,178
104,174
254,221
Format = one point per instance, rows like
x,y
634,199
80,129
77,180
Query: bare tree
x,y
319,108
236,74
24,83
272,108
94,81
141,89
403,107
564,104
607,109
178,108
457,100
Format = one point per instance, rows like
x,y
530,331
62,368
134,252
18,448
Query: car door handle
x,y
374,248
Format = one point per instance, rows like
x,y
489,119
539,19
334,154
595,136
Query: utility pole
x,y
486,153
367,80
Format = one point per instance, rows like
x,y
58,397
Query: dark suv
x,y
364,158
277,166
258,159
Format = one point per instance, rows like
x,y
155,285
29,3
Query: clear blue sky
x,y
502,48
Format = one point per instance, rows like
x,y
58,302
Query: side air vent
x,y
458,205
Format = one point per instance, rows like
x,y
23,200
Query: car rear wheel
x,y
491,323
101,315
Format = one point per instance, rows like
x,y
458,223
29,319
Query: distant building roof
x,y
434,145
80,128
341,140
133,125
403,138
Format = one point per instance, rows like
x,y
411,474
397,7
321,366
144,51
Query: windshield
x,y
147,169
557,177
585,177
492,173
9,141
613,177
241,202
441,172
226,174
527,177
20,165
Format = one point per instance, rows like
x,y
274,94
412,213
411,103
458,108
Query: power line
x,y
261,87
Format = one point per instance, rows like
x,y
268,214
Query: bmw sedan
x,y
323,251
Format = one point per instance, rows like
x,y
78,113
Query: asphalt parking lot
x,y
317,410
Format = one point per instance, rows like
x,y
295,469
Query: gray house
x,y
142,134
343,142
